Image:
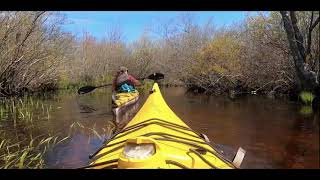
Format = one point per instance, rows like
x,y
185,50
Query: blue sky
x,y
133,23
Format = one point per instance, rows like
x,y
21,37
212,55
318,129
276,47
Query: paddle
x,y
87,89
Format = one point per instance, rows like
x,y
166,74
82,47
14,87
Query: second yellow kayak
x,y
122,100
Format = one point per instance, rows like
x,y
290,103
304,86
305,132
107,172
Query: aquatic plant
x,y
306,97
27,153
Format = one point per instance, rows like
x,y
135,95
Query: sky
x,y
133,23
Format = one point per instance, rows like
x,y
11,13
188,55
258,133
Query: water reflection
x,y
302,149
125,116
86,109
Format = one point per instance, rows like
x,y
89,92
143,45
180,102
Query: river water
x,y
274,133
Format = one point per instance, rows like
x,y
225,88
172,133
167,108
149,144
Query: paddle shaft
x,y
104,85
111,83
86,89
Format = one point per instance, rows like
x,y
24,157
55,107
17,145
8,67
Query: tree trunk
x,y
306,79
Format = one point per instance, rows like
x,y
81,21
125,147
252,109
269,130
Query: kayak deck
x,y
122,100
163,139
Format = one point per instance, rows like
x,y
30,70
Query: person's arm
x,y
134,81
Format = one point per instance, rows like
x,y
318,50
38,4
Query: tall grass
x,y
105,134
27,153
19,148
24,109
24,150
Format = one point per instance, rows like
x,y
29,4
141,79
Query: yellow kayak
x,y
157,138
122,100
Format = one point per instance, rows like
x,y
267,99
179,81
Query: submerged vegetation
x,y
20,150
24,140
26,153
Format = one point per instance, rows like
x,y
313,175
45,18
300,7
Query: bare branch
x,y
316,22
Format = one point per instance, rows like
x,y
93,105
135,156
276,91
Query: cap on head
x,y
123,69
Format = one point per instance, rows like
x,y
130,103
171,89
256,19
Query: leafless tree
x,y
32,47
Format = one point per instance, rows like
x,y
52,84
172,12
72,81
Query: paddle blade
x,y
156,76
86,89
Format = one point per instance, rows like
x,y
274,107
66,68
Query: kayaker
x,y
124,82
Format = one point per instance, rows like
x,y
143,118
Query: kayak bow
x,y
157,138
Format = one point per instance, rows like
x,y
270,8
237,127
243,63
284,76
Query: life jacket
x,y
126,88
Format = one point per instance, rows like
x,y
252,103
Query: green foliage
x,y
306,97
68,84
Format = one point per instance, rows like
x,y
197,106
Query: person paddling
x,y
124,82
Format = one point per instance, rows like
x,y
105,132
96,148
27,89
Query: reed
x,y
28,153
